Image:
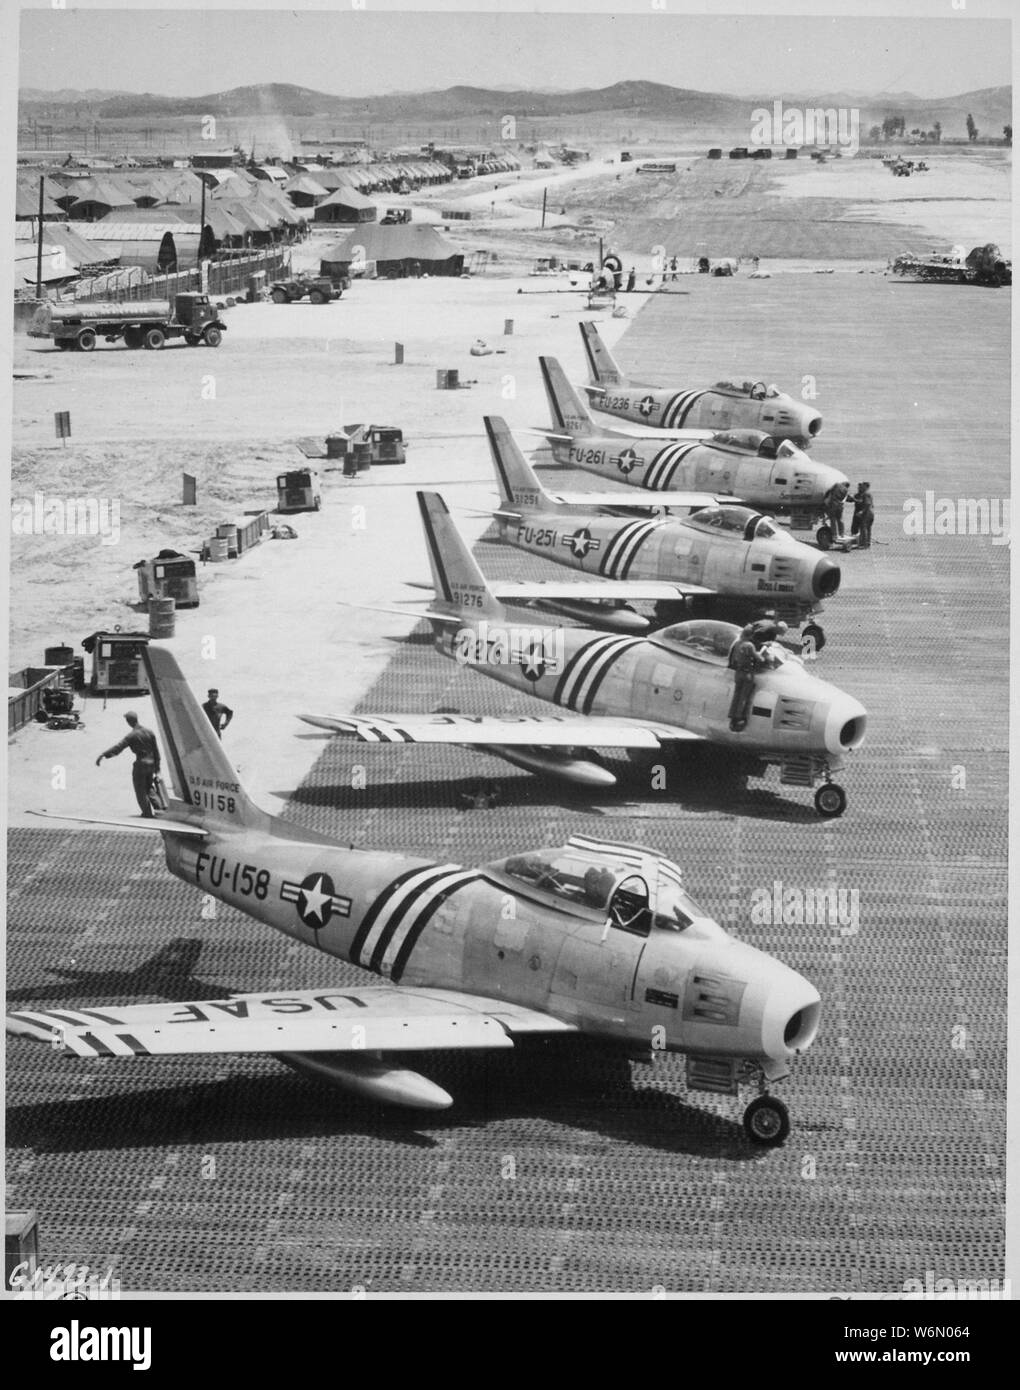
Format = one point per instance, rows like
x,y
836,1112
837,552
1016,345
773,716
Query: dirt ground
x,y
277,616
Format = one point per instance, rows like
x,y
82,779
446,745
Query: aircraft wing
x,y
592,590
633,431
524,730
374,1019
644,498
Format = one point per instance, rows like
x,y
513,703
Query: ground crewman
x,y
142,743
744,663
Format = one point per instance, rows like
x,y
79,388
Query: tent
x,y
157,247
65,252
99,197
346,205
402,249
305,191
26,205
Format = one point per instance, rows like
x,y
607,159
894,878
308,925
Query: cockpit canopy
x,y
637,890
733,521
757,390
757,442
708,639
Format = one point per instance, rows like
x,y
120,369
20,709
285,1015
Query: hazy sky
x,y
382,48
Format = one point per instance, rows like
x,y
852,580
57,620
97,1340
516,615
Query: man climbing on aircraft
x,y
744,662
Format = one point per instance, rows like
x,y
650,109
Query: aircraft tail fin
x,y
602,367
459,583
567,411
203,778
520,489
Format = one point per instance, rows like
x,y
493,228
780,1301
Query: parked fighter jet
x,y
626,692
726,405
746,464
734,559
603,941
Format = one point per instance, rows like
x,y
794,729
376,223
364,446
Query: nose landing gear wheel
x,y
824,537
767,1121
830,800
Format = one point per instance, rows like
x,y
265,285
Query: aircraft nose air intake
x,y
845,725
791,1018
826,578
813,424
802,1026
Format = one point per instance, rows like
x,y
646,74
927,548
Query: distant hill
x,y
990,106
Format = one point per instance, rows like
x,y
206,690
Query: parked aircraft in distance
x,y
746,465
736,562
727,405
622,692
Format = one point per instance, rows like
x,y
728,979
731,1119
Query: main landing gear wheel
x,y
767,1121
824,537
830,800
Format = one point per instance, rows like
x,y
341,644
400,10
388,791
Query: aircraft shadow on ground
x,y
287,1106
703,793
169,974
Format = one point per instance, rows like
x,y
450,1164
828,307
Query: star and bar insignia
x,y
316,900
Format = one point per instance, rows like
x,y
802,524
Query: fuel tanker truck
x,y
145,324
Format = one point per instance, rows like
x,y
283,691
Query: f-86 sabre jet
x,y
727,405
603,941
621,692
735,560
747,465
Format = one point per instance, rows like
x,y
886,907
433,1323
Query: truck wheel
x,y
154,339
191,340
133,336
65,344
86,340
213,337
316,297
280,297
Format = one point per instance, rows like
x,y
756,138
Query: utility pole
x,y
38,250
201,230
545,195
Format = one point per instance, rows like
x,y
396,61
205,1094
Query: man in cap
x,y
142,743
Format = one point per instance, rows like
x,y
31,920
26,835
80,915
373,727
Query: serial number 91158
x,y
214,801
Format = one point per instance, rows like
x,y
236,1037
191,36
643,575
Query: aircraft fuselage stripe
x,y
604,667
660,476
591,649
635,544
617,546
399,953
369,920
391,921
